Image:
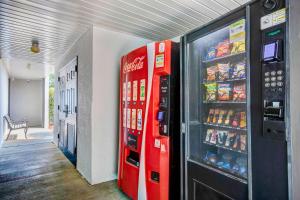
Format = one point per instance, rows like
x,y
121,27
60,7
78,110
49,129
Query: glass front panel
x,y
217,88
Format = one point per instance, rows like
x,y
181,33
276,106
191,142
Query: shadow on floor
x,y
36,169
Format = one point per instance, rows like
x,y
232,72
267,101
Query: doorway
x,y
67,137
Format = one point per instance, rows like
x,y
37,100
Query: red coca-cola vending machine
x,y
149,148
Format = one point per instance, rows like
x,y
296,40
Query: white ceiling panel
x,y
57,24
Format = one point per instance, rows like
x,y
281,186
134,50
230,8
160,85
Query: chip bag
x,y
239,92
239,70
224,92
223,48
224,71
238,47
211,53
211,73
211,90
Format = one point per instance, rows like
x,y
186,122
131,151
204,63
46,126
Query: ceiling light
x,y
35,46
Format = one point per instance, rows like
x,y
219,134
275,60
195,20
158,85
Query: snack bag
x,y
213,138
208,134
223,48
211,90
222,116
228,117
243,140
216,116
224,92
239,92
222,136
239,70
211,73
238,47
210,115
223,71
211,53
230,139
243,120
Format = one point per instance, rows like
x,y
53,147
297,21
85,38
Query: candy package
x,y
224,92
236,119
208,134
213,138
223,48
230,139
211,53
238,47
210,115
243,140
223,71
239,70
211,73
228,117
236,142
216,116
243,120
211,90
222,136
239,92
222,116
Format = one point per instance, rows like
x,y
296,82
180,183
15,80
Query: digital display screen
x,y
160,116
269,51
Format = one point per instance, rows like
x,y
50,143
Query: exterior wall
x,y
108,47
83,49
99,52
27,101
4,92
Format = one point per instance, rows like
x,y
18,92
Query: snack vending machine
x,y
149,158
234,106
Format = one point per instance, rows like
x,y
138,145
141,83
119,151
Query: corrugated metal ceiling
x,y
57,24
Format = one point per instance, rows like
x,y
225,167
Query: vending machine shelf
x,y
230,56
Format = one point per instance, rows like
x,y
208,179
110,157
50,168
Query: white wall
x,y
108,47
4,92
26,101
99,52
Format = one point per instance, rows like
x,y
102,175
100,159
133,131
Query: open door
x,y
68,110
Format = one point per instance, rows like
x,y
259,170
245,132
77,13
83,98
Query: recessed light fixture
x,y
35,46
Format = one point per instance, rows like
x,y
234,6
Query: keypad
x,y
274,79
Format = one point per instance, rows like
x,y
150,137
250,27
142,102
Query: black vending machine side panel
x,y
269,147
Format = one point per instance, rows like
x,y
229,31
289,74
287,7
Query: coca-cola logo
x,y
135,65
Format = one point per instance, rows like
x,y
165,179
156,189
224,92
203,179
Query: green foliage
x,y
51,98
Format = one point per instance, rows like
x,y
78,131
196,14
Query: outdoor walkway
x,y
36,169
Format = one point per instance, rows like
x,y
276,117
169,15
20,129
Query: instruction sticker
x,y
160,60
142,90
129,91
133,118
139,119
128,117
134,92
273,19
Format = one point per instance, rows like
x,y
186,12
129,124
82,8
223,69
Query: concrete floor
x,y
36,169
